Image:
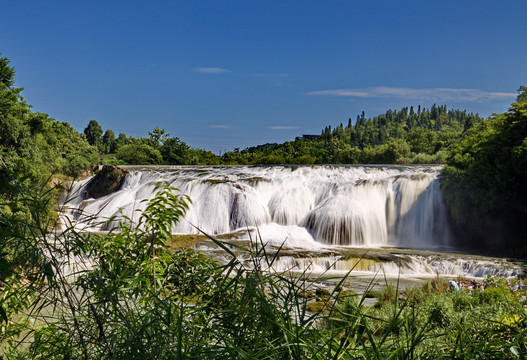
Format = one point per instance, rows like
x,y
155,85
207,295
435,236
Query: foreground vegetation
x,y
135,299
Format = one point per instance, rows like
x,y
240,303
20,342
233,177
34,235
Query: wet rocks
x,y
106,181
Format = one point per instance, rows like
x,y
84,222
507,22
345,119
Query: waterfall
x,y
306,206
406,266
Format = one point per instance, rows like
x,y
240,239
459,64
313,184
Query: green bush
x,y
439,310
461,301
139,154
492,295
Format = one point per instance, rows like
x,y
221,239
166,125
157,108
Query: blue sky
x,y
226,74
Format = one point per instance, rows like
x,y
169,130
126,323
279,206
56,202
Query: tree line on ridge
x,y
405,136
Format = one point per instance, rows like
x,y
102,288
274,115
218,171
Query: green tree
x,y
470,121
13,110
158,137
484,182
174,151
121,140
94,133
34,146
109,142
421,140
7,73
139,154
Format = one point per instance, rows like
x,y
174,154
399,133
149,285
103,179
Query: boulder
x,y
106,181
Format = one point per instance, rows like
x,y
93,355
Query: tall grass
x,y
124,295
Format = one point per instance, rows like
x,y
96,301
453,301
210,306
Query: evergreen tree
x,y
174,151
158,136
7,73
109,142
94,133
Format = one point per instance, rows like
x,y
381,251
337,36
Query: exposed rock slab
x,y
106,181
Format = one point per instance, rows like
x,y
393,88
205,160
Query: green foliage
x,y
394,137
139,154
158,136
484,182
33,146
439,310
174,151
94,133
462,301
109,142
157,149
7,73
492,295
453,324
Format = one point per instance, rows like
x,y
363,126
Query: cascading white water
x,y
416,266
304,206
390,263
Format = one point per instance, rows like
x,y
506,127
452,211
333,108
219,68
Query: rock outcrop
x,y
106,181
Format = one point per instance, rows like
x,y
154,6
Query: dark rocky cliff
x,y
107,180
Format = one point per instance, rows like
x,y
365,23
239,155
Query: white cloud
x,y
283,127
434,94
211,70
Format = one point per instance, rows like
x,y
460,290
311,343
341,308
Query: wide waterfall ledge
x,y
323,218
303,206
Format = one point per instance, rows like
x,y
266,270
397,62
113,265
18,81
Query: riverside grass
x,y
127,295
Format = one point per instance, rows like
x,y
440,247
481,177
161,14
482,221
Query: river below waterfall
x,y
386,221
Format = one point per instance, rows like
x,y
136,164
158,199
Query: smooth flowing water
x,y
318,213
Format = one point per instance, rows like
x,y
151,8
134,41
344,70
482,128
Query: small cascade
x,y
395,266
368,206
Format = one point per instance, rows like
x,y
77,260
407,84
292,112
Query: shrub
x,y
492,295
461,300
438,312
139,154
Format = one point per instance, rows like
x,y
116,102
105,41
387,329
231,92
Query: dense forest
x,y
485,182
403,136
33,146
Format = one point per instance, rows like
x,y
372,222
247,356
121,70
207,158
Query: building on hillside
x,y
307,137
